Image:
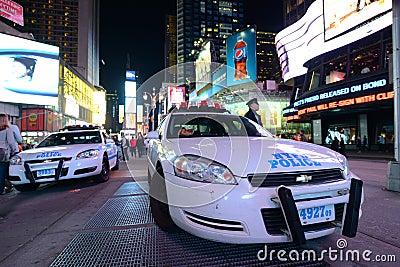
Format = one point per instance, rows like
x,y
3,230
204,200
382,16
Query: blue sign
x,y
130,75
241,57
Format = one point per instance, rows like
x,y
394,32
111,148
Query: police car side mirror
x,y
153,135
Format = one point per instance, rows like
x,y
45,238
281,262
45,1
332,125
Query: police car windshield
x,y
71,138
212,125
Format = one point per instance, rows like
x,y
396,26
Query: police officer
x,y
252,113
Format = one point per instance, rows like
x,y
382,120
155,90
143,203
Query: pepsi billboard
x,y
241,57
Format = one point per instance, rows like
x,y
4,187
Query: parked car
x,y
74,152
222,177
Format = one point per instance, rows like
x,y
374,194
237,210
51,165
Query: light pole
x,y
145,94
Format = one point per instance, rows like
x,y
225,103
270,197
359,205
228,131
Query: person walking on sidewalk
x,y
365,143
8,147
133,146
125,147
140,145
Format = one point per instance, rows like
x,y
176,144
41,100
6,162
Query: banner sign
x,y
12,11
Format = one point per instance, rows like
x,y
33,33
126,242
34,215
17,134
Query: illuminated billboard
x,y
241,57
29,71
343,16
176,95
130,75
305,39
203,67
12,11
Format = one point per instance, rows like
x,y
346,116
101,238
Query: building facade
x,y
201,20
347,89
267,59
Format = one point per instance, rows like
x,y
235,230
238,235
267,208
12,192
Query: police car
x,y
222,177
74,152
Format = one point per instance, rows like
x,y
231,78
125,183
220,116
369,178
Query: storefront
x,y
349,109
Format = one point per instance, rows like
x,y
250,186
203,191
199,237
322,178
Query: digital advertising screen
x,y
176,95
307,38
203,67
345,15
241,57
29,71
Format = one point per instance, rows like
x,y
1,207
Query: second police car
x,y
222,177
74,152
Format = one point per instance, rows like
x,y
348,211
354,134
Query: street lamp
x,y
145,94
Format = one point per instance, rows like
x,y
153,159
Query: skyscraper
x,y
201,20
71,25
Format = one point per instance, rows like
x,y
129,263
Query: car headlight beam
x,y
91,153
202,170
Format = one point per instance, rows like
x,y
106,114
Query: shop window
x,y
335,69
347,133
365,60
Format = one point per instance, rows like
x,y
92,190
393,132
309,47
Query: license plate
x,y
47,172
317,214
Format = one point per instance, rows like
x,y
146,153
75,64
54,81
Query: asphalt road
x,y
36,226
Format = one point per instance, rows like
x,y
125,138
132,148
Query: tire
x,y
26,187
160,209
116,167
105,171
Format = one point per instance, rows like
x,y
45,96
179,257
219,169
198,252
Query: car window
x,y
212,125
71,138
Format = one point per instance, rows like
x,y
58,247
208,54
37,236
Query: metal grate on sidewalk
x,y
149,246
122,211
130,188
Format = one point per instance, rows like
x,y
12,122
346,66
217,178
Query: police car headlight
x,y
202,170
345,165
16,160
88,154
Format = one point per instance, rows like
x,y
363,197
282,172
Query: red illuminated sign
x,y
12,11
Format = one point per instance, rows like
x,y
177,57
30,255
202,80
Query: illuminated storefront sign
x,y
349,90
348,102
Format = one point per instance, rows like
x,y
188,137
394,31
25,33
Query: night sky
x,y
137,28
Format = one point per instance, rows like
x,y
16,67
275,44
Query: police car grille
x,y
275,224
214,223
295,178
48,160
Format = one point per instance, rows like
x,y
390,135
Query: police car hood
x,y
250,155
56,151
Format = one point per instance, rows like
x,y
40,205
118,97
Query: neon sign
x,y
347,102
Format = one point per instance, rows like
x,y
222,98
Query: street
x,y
83,223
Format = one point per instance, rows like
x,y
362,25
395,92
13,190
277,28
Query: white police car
x,y
222,177
74,152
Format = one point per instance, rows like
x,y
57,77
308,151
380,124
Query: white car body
x,y
58,159
250,211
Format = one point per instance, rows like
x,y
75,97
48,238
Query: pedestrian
x,y
16,133
342,148
252,112
125,147
303,136
365,143
140,144
381,142
335,144
358,144
8,147
133,146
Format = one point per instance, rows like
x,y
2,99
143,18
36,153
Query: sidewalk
x,y
379,155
